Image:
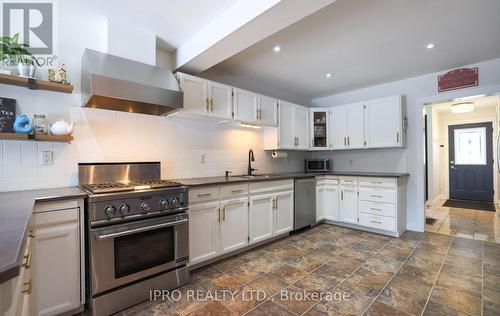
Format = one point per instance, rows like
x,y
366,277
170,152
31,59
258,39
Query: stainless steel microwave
x,y
317,165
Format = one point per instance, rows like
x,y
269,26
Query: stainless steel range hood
x,y
115,83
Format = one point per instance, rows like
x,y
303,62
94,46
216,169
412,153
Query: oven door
x,y
127,252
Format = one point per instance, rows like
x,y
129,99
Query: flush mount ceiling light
x,y
250,125
462,107
276,49
430,46
328,75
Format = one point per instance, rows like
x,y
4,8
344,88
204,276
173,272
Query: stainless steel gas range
x,y
137,233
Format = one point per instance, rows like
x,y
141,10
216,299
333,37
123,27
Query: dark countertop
x,y
15,215
192,182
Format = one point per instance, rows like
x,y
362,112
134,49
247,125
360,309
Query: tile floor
x,y
466,223
416,274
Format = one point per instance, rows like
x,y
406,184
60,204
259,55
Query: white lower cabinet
x,y
327,200
233,224
349,203
283,213
270,215
203,231
56,253
371,203
261,217
226,218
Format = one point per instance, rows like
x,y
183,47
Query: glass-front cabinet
x,y
320,126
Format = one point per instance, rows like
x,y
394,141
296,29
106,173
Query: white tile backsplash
x,y
102,135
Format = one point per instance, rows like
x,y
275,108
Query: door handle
x,y
139,230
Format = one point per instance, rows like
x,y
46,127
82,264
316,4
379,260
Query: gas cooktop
x,y
121,186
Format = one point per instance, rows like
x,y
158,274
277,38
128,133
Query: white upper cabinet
x,y
220,100
206,98
338,129
245,106
319,123
355,126
195,90
301,127
286,129
268,110
384,123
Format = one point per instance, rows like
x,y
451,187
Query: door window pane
x,y
470,146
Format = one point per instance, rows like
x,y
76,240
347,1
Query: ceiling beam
x,y
240,26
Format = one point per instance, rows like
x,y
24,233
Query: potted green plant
x,y
17,56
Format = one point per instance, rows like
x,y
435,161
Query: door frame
x,y
421,104
445,167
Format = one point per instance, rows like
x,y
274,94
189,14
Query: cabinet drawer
x,y
233,190
381,209
377,195
270,186
378,182
378,222
55,205
326,181
203,194
349,180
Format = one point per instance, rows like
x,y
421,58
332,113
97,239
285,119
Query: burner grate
x,y
106,187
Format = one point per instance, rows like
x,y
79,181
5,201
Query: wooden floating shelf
x,y
37,138
37,84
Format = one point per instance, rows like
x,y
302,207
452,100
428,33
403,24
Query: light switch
x,y
46,159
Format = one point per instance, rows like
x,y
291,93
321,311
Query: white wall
x,y
417,91
102,135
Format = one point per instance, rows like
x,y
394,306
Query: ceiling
x,y
363,43
480,103
173,21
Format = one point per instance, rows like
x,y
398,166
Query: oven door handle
x,y
138,230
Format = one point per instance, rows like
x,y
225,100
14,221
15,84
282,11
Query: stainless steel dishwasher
x,y
304,202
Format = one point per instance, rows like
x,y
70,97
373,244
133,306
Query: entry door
x,y
471,161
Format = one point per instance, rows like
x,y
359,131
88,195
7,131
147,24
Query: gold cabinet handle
x,y
211,105
29,284
224,214
377,196
376,222
28,258
376,209
345,141
236,191
218,215
342,195
376,182
206,105
397,137
205,195
348,141
31,233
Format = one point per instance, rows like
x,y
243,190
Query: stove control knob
x,y
175,202
145,206
164,203
110,211
124,209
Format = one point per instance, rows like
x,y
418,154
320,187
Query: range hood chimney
x,y
120,84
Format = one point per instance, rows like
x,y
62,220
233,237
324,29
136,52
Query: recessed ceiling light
x,y
430,46
277,48
328,75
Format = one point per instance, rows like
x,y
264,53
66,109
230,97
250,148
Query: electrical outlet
x,y
202,158
46,159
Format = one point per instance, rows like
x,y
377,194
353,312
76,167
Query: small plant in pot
x,y
17,56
